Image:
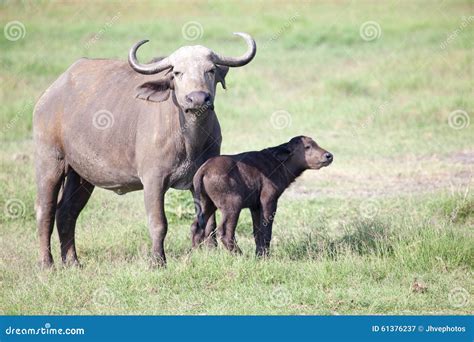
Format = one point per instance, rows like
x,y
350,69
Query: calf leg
x,y
210,231
258,231
227,229
205,213
76,193
267,217
49,176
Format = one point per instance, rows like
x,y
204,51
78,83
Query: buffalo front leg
x,y
157,224
266,224
258,231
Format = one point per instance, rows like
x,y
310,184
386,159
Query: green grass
x,y
394,209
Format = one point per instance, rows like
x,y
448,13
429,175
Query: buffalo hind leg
x,y
49,176
205,218
76,193
210,231
226,230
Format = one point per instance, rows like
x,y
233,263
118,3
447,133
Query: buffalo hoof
x,y
46,264
72,263
211,242
158,263
262,254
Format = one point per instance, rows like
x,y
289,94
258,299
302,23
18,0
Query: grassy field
x,y
386,229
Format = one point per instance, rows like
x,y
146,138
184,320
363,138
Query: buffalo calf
x,y
253,180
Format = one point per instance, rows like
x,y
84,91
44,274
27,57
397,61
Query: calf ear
x,y
221,72
282,153
154,91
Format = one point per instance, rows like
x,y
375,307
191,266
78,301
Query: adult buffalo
x,y
125,127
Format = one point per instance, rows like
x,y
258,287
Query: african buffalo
x,y
125,127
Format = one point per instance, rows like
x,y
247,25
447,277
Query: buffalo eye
x,y
307,147
212,71
177,73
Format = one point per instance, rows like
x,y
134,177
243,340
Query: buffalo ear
x,y
282,153
154,91
221,72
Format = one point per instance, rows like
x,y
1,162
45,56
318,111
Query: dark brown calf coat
x,y
253,180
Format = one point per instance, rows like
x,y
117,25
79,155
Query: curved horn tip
x,y
141,42
146,69
242,60
241,34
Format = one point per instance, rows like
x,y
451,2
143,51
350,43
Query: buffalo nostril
x,y
328,156
198,98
